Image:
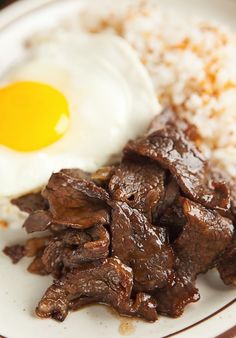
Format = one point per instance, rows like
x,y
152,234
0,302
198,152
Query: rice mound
x,y
191,63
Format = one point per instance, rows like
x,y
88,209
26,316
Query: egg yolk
x,y
32,116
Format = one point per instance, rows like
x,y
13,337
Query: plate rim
x,y
17,11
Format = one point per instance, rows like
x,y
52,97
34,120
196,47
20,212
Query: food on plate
x,y
188,64
70,103
191,62
170,148
67,95
124,205
134,235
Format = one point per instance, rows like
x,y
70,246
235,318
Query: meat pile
x,y
133,235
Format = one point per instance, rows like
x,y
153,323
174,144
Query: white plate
x,y
19,291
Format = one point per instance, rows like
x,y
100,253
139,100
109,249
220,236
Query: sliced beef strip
x,y
170,195
55,228
36,244
37,266
173,150
232,185
34,247
55,303
171,301
227,264
139,184
141,246
109,283
15,252
169,117
203,238
66,182
223,175
82,217
142,305
76,202
38,220
30,202
173,219
75,247
97,247
103,175
51,257
220,176
76,173
74,237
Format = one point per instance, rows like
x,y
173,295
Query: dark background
x,y
4,3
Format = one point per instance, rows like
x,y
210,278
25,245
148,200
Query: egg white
x,y
111,99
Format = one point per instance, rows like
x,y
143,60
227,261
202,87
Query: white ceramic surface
x,y
20,291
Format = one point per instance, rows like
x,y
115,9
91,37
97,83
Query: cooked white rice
x,y
192,64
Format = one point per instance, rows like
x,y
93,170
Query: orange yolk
x,y
32,116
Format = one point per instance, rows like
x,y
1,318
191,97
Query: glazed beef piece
x,y
168,201
139,184
36,244
75,202
51,257
143,306
103,175
37,266
172,300
169,117
227,264
30,202
38,220
109,282
34,247
69,181
74,247
232,185
141,246
173,219
15,252
222,177
203,237
173,150
76,174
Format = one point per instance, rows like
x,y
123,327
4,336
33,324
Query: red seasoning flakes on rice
x,y
191,63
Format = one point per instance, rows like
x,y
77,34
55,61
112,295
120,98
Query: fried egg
x,y
73,102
